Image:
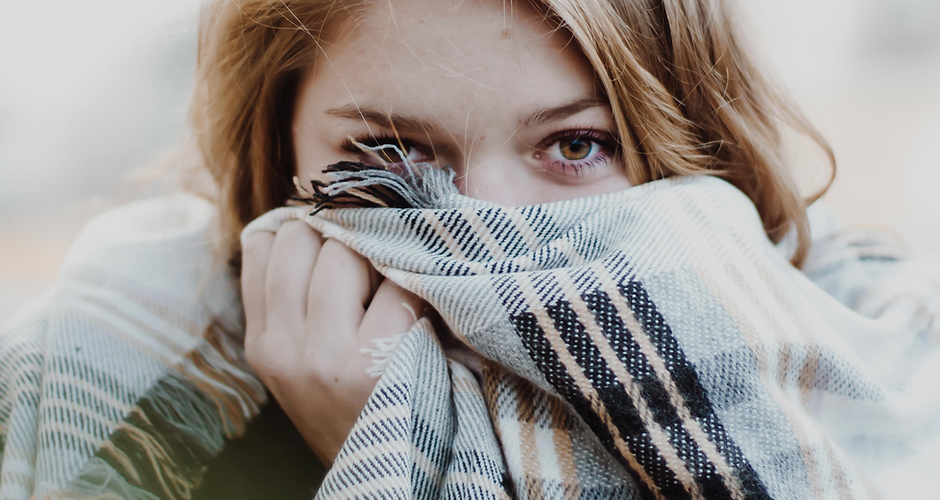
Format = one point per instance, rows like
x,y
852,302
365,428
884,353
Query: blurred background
x,y
92,91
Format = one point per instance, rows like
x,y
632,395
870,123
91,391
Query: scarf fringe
x,y
162,448
357,185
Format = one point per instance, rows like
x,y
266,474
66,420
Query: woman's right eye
x,y
390,150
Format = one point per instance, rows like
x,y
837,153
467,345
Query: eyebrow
x,y
385,120
558,113
403,122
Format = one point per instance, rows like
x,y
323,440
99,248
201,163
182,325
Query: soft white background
x,y
92,90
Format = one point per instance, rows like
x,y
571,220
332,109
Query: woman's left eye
x,y
576,149
391,154
571,152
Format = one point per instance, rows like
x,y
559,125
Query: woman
x,y
529,105
526,96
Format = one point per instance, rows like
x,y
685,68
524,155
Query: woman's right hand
x,y
311,306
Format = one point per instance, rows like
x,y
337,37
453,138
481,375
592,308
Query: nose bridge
x,y
491,173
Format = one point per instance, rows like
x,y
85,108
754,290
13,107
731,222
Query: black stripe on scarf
x,y
624,413
689,386
619,405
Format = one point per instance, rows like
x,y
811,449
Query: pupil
x,y
575,149
389,155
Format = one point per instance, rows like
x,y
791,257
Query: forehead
x,y
451,55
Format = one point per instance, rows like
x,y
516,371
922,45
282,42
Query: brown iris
x,y
574,149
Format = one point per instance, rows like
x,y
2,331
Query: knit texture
x,y
650,343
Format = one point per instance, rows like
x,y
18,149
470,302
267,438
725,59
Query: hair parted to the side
x,y
685,94
251,57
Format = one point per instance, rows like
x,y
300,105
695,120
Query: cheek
x,y
311,151
512,183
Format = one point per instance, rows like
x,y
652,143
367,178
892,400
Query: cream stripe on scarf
x,y
499,395
445,236
483,234
571,365
134,335
69,380
659,437
387,447
842,486
421,460
691,425
566,248
524,228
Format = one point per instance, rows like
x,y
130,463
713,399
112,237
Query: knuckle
x,y
294,229
256,243
255,251
267,358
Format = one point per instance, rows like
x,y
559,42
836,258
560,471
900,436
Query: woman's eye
x,y
575,149
571,152
394,154
387,150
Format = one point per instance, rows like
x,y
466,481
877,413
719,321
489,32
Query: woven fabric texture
x,y
650,343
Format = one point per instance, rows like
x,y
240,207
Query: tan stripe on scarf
x,y
664,376
659,437
525,413
564,448
583,384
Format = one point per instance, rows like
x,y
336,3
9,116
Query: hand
x,y
310,306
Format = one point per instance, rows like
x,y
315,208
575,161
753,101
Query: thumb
x,y
392,312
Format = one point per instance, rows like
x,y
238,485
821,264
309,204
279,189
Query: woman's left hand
x,y
311,306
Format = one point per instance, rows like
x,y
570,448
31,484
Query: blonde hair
x,y
685,94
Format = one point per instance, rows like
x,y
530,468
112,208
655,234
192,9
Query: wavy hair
x,y
686,96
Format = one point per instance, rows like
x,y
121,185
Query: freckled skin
x,y
461,68
452,77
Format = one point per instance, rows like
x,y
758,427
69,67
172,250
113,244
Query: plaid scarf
x,y
650,343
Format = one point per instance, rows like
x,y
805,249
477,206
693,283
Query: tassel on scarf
x,y
358,185
161,449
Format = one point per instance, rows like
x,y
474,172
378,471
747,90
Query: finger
x,y
255,255
341,286
294,254
393,310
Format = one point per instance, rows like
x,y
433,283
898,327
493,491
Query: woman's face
x,y
484,86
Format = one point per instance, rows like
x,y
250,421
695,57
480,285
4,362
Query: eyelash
x,y
604,140
372,141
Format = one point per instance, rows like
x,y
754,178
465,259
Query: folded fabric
x,y
650,343
129,375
